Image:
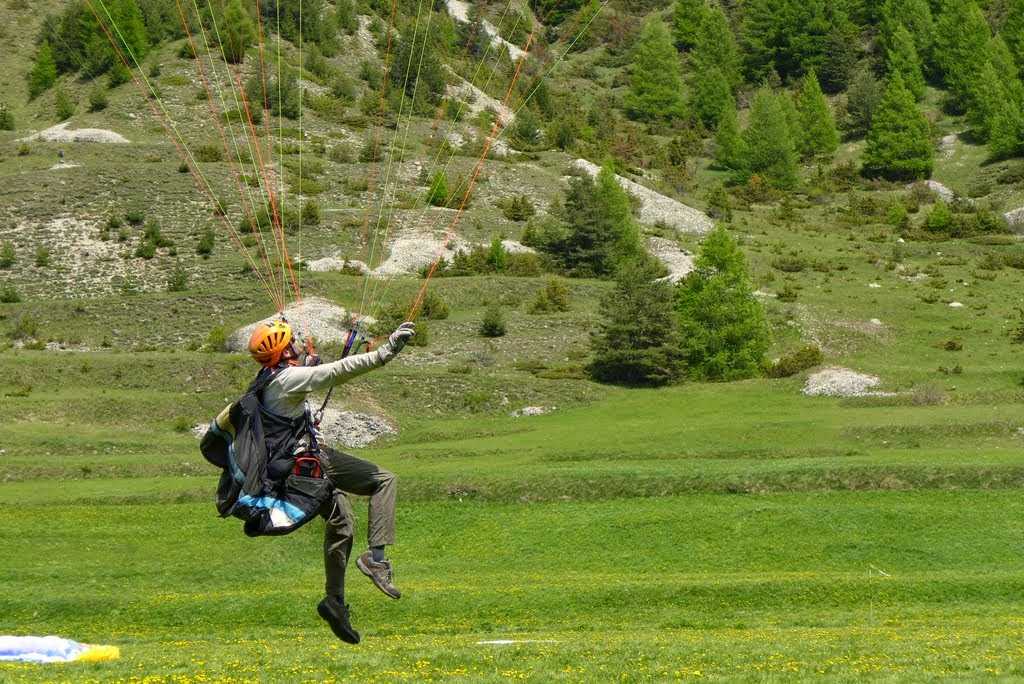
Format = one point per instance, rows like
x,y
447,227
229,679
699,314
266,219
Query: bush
x,y
341,154
98,99
42,257
311,213
437,195
6,118
25,327
146,250
177,281
217,340
9,295
796,362
206,243
434,307
7,255
493,323
135,217
207,153
24,150
519,208
65,106
554,297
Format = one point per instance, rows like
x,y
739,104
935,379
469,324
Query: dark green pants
x,y
354,476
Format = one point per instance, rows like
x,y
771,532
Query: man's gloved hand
x,y
312,360
396,342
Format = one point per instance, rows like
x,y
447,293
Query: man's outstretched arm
x,y
306,379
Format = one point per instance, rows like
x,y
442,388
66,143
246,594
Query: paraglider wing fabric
x,y
52,649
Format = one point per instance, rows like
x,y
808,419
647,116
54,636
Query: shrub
x,y
790,264
177,281
135,217
217,340
25,327
42,256
206,243
953,345
518,208
434,307
181,424
554,297
7,255
9,295
493,323
311,213
146,250
207,153
796,362
98,99
6,118
437,195
341,154
65,106
24,150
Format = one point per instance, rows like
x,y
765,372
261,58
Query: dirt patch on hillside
x,y
460,10
678,261
80,263
62,134
657,208
477,100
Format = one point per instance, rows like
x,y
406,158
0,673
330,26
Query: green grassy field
x,y
738,532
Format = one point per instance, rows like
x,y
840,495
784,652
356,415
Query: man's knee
x,y
385,478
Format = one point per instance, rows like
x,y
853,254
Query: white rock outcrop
x,y
61,133
657,208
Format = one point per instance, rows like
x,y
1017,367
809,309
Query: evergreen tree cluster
x,y
708,327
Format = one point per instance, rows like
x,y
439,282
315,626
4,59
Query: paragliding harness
x,y
264,482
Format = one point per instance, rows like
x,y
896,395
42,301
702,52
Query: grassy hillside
x,y
728,531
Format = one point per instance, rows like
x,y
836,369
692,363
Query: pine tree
x,y
601,232
768,142
238,32
712,96
131,28
861,101
899,144
916,17
730,150
988,98
723,328
1005,65
902,58
842,53
1006,134
1013,30
636,342
656,87
686,21
961,47
44,72
817,124
788,37
716,47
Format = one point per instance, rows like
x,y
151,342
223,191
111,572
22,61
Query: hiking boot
x,y
336,614
379,572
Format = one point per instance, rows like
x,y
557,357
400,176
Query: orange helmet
x,y
268,342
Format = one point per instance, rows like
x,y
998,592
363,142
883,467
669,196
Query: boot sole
x,y
366,571
328,617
